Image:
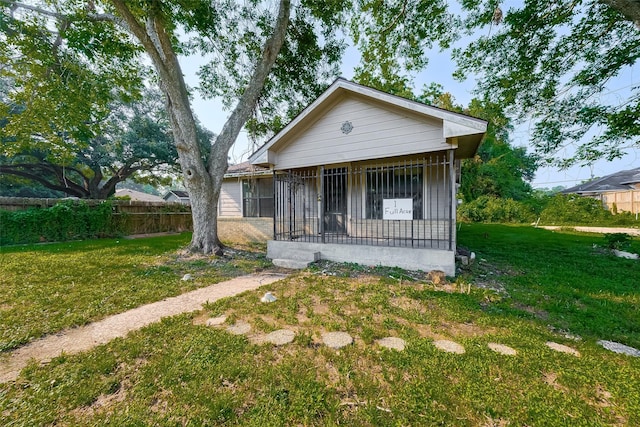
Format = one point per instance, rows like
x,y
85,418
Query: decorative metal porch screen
x,y
347,204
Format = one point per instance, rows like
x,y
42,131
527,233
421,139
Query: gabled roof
x,y
469,130
619,181
181,194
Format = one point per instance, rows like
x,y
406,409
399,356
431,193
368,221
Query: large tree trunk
x,y
629,8
203,181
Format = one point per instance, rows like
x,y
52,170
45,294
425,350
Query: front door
x,y
335,200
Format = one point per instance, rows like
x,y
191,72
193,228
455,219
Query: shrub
x,y
574,209
67,220
493,209
618,241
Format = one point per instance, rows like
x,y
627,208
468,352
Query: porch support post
x,y
321,196
275,205
452,198
290,204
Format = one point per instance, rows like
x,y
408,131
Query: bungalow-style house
x,y
367,177
177,196
619,192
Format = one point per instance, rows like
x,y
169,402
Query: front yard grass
x,y
180,371
47,288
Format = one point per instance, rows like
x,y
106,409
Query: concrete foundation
x,y
407,258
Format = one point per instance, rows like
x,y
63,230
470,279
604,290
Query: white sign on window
x,y
399,209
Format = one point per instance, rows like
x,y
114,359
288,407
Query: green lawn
x,y
46,288
180,372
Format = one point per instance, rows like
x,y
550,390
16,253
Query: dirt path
x,y
629,231
86,337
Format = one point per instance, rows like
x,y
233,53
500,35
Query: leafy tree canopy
x,y
135,143
552,62
60,74
498,169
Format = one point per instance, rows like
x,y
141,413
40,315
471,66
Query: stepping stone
x,y
616,347
216,321
449,346
337,339
280,337
239,328
392,343
502,349
562,348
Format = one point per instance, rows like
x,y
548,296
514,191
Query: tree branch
x,y
630,9
75,190
41,11
252,92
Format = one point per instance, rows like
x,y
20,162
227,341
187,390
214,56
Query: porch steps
x,y
297,260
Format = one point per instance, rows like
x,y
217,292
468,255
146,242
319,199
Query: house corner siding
x,y
230,201
245,230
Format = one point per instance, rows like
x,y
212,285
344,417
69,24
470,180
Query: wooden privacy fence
x,y
130,217
624,201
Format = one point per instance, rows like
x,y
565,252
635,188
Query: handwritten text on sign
x,y
400,209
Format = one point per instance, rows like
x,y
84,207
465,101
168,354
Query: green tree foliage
x,y
307,62
135,142
498,170
60,72
552,62
15,186
394,36
260,56
574,209
492,209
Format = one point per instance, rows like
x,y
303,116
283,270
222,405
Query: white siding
x,y
230,203
378,132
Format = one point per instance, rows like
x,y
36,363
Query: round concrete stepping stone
x,y
562,348
216,321
502,349
392,343
280,337
449,346
239,328
337,339
616,347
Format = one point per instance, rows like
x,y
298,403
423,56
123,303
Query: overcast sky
x,y
440,71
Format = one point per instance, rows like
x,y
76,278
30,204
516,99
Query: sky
x,y
440,70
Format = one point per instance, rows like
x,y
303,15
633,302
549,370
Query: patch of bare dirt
x,y
492,422
465,329
103,403
301,316
540,314
319,306
408,304
551,378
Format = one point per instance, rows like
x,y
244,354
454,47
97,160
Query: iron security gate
x,y
406,203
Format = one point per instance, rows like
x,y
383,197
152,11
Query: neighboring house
x,y
619,192
367,177
138,196
177,196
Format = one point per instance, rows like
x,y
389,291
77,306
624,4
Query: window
x,y
397,182
257,197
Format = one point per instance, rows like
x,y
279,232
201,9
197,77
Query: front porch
x,y
393,212
403,257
